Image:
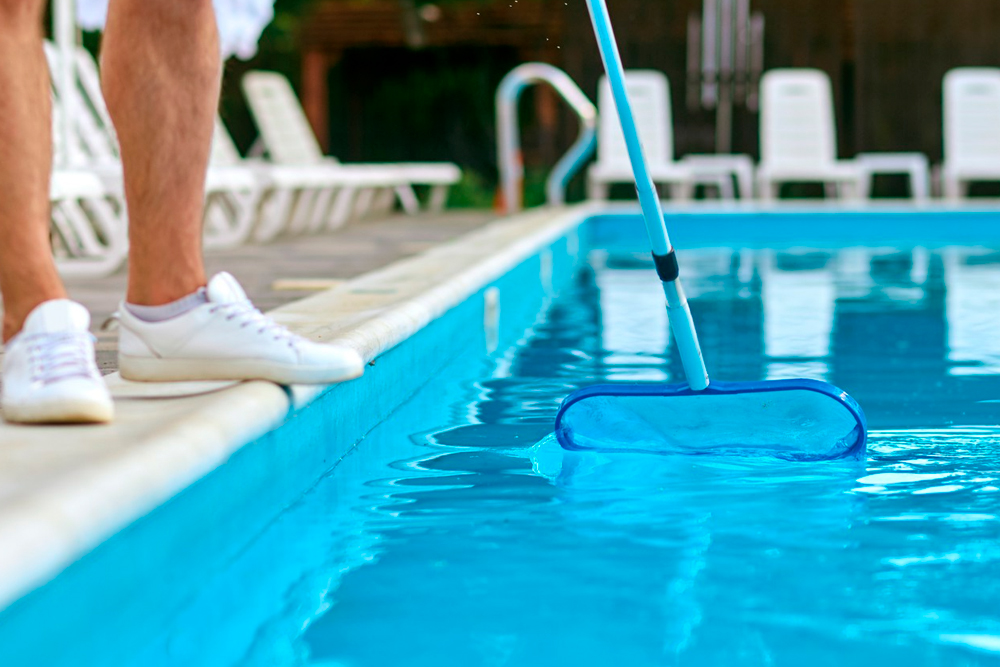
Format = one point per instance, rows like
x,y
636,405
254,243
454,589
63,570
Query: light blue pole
x,y
678,310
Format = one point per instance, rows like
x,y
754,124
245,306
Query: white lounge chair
x,y
289,140
649,94
244,198
803,301
88,236
798,138
88,229
290,198
972,304
971,129
231,190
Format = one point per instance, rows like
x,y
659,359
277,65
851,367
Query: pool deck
x,y
283,271
65,489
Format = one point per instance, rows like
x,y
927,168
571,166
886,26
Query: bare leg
x,y
28,275
161,78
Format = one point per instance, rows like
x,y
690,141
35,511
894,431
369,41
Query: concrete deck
x,y
271,273
65,489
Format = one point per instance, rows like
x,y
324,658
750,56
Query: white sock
x,y
170,310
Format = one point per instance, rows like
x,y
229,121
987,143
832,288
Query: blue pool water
x,y
458,533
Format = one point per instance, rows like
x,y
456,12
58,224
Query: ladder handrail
x,y
509,135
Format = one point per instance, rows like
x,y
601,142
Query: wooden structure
x,y
886,58
333,26
901,51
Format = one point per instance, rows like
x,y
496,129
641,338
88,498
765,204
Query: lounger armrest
x,y
75,184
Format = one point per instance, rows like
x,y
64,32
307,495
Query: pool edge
x,y
56,525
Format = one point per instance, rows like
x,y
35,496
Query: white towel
x,y
241,22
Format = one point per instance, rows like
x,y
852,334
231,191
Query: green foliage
x,y
287,15
535,179
471,192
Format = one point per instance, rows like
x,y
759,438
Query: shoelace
x,y
60,356
248,316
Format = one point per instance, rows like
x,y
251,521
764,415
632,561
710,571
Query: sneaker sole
x,y
146,369
65,412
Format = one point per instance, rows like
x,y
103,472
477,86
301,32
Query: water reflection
x,y
799,294
460,533
497,551
910,333
898,326
973,311
890,343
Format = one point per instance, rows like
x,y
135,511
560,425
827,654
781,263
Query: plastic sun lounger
x,y
797,135
231,191
650,91
289,140
352,193
650,95
971,129
88,235
88,227
297,198
285,198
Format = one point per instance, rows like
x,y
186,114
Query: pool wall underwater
x,y
110,604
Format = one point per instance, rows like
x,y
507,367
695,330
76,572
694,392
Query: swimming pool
x,y
457,532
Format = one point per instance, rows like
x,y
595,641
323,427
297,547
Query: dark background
x,y
886,59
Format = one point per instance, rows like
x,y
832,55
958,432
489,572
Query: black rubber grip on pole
x,y
666,266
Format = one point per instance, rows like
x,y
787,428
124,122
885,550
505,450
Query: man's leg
x,y
49,372
161,78
27,273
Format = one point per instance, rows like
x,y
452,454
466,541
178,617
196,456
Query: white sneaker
x,y
227,339
49,372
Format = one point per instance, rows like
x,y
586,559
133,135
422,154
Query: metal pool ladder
x,y
509,132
